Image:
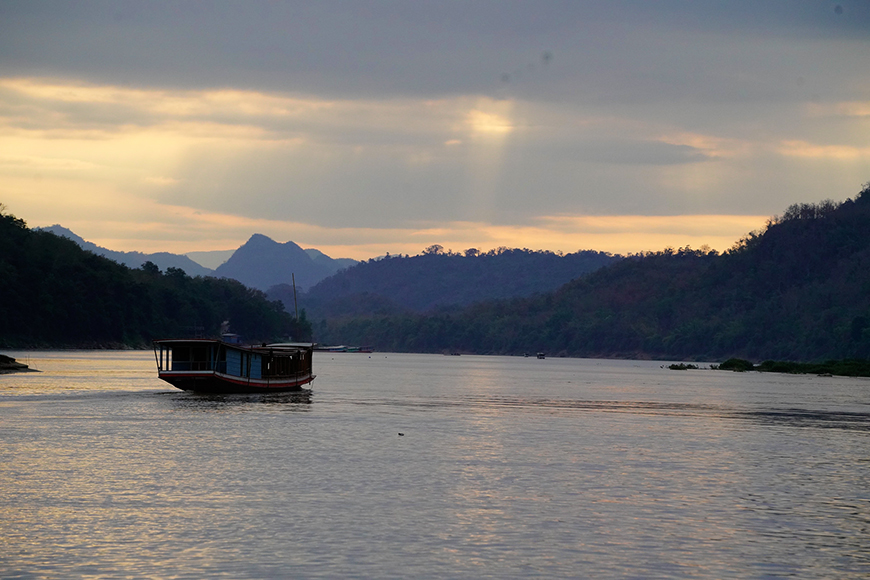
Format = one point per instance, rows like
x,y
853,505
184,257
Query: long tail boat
x,y
209,365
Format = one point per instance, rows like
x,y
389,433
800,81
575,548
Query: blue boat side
x,y
211,365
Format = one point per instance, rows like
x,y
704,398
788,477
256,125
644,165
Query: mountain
x,y
55,294
259,263
163,260
439,280
796,291
262,263
332,264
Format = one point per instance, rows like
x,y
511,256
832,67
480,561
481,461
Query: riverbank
x,y
10,365
843,368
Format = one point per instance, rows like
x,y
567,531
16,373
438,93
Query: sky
x,y
361,128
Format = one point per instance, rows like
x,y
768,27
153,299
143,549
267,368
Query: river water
x,y
506,468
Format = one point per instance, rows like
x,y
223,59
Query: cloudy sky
x,y
361,128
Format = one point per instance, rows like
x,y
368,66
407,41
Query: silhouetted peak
x,y
295,247
261,241
59,230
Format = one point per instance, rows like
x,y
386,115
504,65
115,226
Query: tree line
x,y
442,280
54,294
798,290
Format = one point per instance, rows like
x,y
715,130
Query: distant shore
x,y
849,367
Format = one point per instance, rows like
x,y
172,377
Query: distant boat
x,y
336,348
225,366
343,348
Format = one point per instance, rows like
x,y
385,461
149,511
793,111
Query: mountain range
x,y
438,280
328,288
798,290
259,263
54,294
163,260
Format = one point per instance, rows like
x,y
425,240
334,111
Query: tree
x,y
150,267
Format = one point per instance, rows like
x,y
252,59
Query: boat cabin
x,y
188,363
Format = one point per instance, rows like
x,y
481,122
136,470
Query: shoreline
x,y
9,365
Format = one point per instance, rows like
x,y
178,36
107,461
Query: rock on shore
x,y
10,365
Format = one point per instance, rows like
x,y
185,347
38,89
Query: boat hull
x,y
215,383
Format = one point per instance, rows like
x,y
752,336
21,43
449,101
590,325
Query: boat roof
x,y
261,346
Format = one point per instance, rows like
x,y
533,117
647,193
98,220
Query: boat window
x,y
190,358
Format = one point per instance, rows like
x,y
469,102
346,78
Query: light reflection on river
x,y
508,467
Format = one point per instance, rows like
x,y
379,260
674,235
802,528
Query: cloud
x,y
628,49
633,152
836,152
371,163
839,109
26,163
484,123
364,117
161,181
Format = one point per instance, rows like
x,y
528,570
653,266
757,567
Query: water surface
x,y
506,467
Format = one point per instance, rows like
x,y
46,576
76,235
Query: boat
x,y
210,365
343,348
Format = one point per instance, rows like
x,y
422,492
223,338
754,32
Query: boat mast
x,y
295,302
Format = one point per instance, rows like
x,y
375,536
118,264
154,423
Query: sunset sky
x,y
361,128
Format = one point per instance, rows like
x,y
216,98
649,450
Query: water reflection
x,y
810,419
286,401
806,418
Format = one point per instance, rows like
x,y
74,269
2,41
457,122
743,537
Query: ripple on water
x,y
507,468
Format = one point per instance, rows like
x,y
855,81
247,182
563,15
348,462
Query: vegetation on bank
x,y
682,367
54,294
842,367
799,290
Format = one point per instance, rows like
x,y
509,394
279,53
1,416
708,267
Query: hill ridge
x,y
796,291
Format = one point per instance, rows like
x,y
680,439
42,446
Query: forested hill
x,y
55,294
437,279
798,290
163,260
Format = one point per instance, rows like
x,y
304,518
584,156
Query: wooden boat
x,y
224,366
343,348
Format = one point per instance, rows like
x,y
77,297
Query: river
x,y
425,466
